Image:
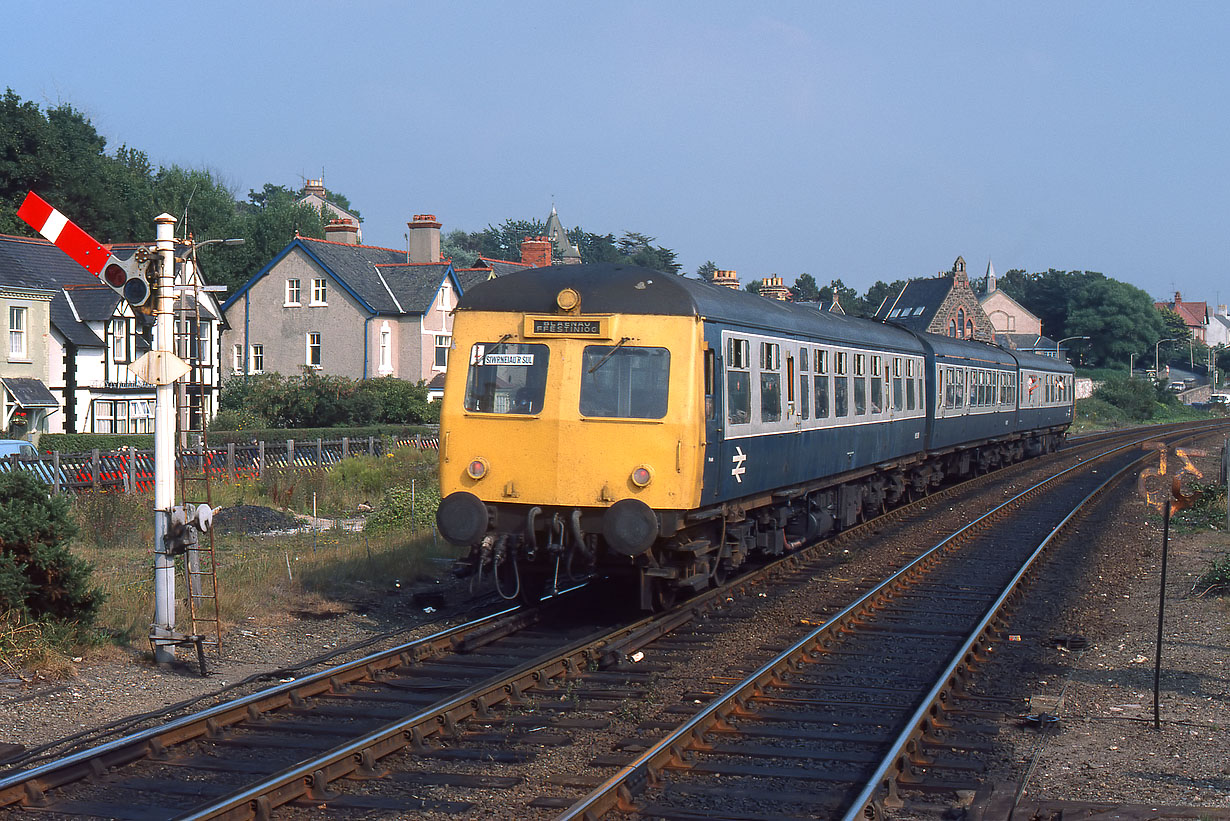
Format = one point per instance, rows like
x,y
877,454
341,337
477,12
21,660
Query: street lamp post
x,y
1157,369
1066,339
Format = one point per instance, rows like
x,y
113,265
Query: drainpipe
x,y
366,341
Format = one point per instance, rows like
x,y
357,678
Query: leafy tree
x,y
707,269
753,287
504,242
638,249
595,247
847,296
880,291
805,289
39,576
462,247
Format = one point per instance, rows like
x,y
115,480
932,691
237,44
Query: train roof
x,y
947,347
1043,363
608,288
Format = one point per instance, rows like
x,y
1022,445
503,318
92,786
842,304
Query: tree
x,y
805,289
595,247
847,296
39,576
462,247
753,287
707,269
1118,318
504,242
638,249
879,292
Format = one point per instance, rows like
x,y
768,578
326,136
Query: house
x,y
563,249
92,339
314,194
944,304
1193,314
1217,331
25,400
1015,326
345,309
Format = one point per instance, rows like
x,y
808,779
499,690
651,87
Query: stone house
x,y
944,304
346,309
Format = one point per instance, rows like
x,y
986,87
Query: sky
x,y
856,141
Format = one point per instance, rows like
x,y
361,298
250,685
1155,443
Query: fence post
x,y
371,446
260,465
345,447
55,468
290,453
94,469
132,469
230,461
320,452
200,455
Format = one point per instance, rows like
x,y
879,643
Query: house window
x,y
292,292
969,329
386,349
960,320
442,345
237,358
313,349
119,340
952,328
319,292
104,416
17,333
258,359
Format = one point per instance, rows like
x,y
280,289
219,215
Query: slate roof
x,y
917,304
1025,342
378,278
36,263
469,277
500,266
29,392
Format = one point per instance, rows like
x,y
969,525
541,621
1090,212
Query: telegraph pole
x,y
164,447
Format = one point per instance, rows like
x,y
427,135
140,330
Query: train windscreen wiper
x,y
610,353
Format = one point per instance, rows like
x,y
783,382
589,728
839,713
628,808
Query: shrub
x,y
39,577
406,509
1137,398
238,419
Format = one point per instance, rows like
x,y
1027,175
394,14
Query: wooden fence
x,y
131,469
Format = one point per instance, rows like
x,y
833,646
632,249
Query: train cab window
x,y
506,378
624,382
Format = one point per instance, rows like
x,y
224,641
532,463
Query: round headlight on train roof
x,y
477,468
642,475
567,299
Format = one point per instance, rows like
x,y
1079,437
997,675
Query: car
x,y
1177,387
19,448
1219,399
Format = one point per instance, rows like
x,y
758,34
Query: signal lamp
x,y
642,475
477,468
567,299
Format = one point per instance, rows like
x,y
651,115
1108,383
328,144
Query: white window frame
x,y
19,316
443,342
320,292
386,349
117,332
99,406
237,358
258,359
294,288
315,341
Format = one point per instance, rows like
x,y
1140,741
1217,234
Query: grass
x,y
259,576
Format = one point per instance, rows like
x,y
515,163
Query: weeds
x,y
1207,512
1216,580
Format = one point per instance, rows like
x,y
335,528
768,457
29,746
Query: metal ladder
x,y
192,410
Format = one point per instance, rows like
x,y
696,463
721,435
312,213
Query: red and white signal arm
x,y
122,276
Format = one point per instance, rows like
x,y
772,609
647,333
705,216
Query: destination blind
x,y
552,326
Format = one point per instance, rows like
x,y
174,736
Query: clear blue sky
x,y
856,140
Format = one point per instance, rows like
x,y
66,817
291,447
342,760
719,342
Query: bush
x,y
39,577
1136,398
86,442
238,419
405,510
319,400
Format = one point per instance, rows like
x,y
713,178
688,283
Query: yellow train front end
x,y
568,440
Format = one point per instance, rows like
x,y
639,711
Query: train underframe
x,y
533,551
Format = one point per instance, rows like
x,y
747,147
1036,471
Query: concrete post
x,y
230,461
132,469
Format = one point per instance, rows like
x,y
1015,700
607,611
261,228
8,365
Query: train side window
x,y
737,357
950,389
877,394
875,365
841,398
822,365
821,384
506,378
959,387
710,384
909,394
860,364
770,356
770,396
898,393
790,379
860,395
738,397
896,366
804,385
839,363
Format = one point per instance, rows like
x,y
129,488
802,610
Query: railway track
x,y
469,701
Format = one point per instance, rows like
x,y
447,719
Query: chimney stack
x,y
342,230
536,251
424,239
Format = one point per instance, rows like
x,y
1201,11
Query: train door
x,y
792,378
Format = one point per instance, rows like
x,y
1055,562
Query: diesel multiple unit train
x,y
613,418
